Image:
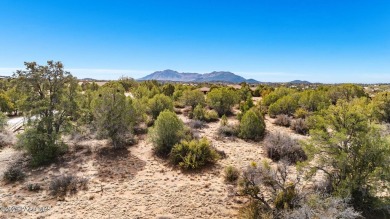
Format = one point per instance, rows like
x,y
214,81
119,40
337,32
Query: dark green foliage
x,y
168,90
193,98
314,100
114,114
285,105
231,174
127,83
193,154
276,95
248,104
222,100
13,173
252,126
159,103
345,92
345,141
42,147
199,113
51,97
168,130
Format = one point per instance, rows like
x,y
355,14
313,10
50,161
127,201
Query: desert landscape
x,y
195,109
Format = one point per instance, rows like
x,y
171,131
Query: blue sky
x,y
316,40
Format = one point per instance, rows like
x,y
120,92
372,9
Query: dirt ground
x,y
132,183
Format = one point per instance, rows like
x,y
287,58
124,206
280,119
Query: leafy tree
x,y
168,90
252,126
127,83
193,98
381,106
50,104
89,86
350,151
346,92
244,91
5,103
222,100
114,113
16,97
276,95
167,131
286,105
245,106
312,101
159,103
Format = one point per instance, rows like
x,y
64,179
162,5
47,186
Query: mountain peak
x,y
215,76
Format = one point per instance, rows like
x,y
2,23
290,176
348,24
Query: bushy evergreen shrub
x,y
252,126
193,154
168,130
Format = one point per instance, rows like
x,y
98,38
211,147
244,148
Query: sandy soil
x,y
133,183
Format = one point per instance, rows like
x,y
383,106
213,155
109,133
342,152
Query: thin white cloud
x,y
92,72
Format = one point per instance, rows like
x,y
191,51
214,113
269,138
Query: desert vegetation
x,y
264,151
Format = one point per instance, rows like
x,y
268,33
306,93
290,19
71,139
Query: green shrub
x,y
13,173
159,103
211,115
168,130
114,114
301,113
231,174
222,100
381,107
285,105
275,95
224,120
251,126
42,147
314,100
199,113
193,154
248,104
193,98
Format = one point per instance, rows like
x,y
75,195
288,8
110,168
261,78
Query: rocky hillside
x,y
216,76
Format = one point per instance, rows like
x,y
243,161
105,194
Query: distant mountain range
x,y
215,76
299,82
